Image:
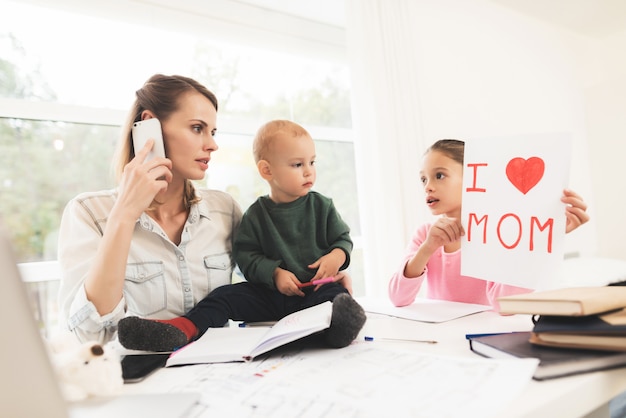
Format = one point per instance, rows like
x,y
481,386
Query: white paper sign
x,y
512,212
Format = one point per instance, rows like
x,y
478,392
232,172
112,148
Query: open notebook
x,y
28,385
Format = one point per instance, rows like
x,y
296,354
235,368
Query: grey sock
x,y
136,333
346,321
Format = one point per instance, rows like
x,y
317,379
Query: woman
x,y
154,246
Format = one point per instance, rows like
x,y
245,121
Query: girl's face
x,y
292,168
189,136
442,178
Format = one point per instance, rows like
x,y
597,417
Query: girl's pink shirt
x,y
443,279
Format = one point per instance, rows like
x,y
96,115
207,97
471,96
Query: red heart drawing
x,y
525,174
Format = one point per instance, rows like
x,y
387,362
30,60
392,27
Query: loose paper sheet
x,y
512,212
361,380
423,310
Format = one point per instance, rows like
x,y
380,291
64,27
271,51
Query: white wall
x,y
605,112
487,71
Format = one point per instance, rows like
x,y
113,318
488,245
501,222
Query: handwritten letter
x,y
512,212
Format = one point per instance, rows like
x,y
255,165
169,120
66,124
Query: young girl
x,y
434,253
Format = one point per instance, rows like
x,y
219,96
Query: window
x,y
64,95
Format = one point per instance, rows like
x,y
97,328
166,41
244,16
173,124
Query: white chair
x,y
42,279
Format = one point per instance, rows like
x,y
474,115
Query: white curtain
x,y
423,70
388,132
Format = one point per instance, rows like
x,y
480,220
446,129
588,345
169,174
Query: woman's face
x,y
188,134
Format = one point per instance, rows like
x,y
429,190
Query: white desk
x,y
575,396
584,395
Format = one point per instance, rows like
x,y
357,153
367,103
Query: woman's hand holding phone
x,y
144,130
143,178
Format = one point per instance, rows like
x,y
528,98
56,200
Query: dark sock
x,y
137,333
346,321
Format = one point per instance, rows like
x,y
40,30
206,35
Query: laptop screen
x,y
29,386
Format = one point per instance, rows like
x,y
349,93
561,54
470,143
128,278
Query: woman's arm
x,y
80,235
140,183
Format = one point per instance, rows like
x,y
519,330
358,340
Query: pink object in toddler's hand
x,y
316,282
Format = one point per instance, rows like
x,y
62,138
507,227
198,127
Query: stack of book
x,y
576,330
577,317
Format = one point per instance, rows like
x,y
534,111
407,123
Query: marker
x,y
257,324
316,282
402,339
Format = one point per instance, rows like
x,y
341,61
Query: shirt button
x,y
181,257
187,289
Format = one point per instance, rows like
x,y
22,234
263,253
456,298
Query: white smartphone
x,y
144,130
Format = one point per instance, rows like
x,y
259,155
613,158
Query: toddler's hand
x,y
329,264
287,283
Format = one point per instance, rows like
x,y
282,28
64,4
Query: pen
x,y
316,282
401,339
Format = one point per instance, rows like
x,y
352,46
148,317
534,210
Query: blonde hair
x,y
269,132
161,95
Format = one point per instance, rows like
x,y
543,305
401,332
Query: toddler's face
x,y
293,168
442,179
